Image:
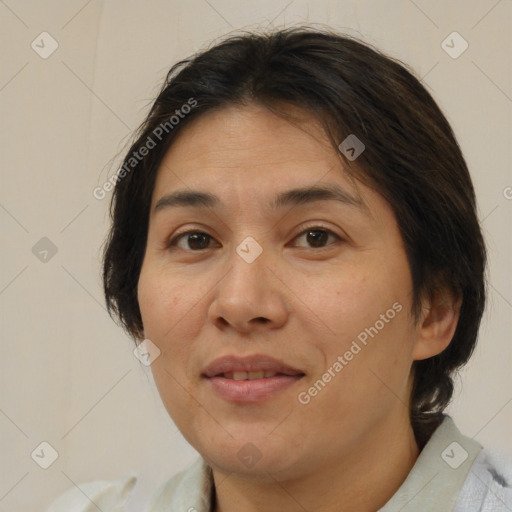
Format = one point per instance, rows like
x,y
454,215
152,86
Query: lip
x,y
250,391
254,363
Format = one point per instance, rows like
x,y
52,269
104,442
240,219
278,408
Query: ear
x,y
437,324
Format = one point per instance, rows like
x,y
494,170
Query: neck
x,y
363,479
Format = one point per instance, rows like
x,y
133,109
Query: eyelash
x,y
172,243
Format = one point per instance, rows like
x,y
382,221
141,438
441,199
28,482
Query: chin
x,y
252,456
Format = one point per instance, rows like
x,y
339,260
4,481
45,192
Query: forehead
x,y
250,146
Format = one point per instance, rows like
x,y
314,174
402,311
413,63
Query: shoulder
x,y
108,496
488,486
187,490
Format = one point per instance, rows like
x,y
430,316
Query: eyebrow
x,y
293,197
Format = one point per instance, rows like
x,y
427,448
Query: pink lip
x,y
250,391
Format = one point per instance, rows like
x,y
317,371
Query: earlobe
x,y
437,324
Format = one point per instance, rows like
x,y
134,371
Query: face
x,y
283,318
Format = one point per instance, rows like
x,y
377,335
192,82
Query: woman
x,y
295,246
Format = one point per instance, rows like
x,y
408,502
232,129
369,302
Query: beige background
x,y
68,375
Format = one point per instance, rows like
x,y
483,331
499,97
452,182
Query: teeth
x,y
249,375
256,375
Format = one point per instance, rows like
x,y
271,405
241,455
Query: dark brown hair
x,y
411,158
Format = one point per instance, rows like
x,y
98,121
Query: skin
x,y
352,445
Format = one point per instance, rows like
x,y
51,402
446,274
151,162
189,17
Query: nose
x,y
250,297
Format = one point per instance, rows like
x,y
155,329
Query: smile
x,y
249,379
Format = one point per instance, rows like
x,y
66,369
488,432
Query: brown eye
x,y
192,240
317,238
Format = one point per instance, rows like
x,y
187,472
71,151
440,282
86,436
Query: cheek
x,y
353,300
161,308
165,301
377,375
367,315
173,314
372,383
168,319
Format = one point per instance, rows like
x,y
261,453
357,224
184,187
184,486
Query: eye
x,y
317,236
191,241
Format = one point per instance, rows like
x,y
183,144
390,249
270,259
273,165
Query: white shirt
x,y
452,474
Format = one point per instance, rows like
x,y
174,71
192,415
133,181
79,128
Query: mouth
x,y
249,375
257,366
250,379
